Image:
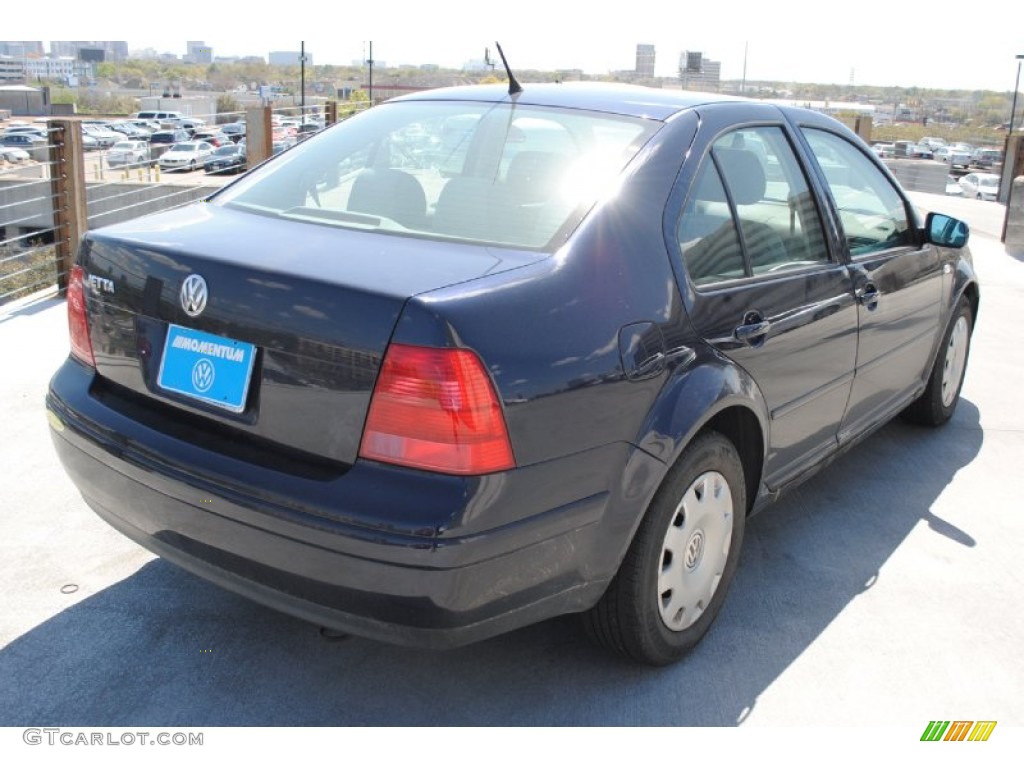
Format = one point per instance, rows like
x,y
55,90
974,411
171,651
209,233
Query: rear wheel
x,y
674,578
936,404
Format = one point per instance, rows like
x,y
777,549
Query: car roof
x,y
619,98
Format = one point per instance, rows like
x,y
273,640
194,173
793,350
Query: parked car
x,y
308,129
130,154
161,141
149,126
280,145
884,149
13,154
430,408
987,157
34,130
953,186
34,144
157,115
105,137
185,156
131,130
234,131
932,142
227,159
216,138
189,124
955,158
14,138
981,186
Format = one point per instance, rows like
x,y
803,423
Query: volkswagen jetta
x,y
473,359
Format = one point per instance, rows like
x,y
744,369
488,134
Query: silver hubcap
x,y
694,551
956,357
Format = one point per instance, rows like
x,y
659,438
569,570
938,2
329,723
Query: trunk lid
x,y
317,303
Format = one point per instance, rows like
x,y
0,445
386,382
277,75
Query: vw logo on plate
x,y
203,375
193,295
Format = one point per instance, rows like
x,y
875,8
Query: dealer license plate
x,y
205,367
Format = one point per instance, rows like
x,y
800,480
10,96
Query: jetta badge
x,y
193,295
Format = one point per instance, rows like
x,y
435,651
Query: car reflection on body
x,y
549,366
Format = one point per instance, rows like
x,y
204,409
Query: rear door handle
x,y
753,330
868,295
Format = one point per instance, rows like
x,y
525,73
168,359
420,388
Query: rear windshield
x,y
502,174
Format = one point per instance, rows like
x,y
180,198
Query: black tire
x,y
936,404
633,617
192,166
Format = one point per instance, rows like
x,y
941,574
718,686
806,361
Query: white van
x,y
158,115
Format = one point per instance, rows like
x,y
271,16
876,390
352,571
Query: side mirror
x,y
945,231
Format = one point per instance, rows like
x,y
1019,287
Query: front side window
x,y
872,211
750,211
499,174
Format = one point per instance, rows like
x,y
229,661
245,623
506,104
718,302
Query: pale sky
x,y
872,42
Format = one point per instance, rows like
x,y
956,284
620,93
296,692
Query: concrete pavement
x,y
884,592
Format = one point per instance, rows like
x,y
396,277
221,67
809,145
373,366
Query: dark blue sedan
x,y
472,359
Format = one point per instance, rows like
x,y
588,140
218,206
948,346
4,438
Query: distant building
x,y
644,60
113,50
697,73
22,48
12,70
288,58
64,69
198,52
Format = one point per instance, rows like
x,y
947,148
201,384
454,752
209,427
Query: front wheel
x,y
936,404
674,578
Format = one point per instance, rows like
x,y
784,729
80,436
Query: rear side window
x,y
872,211
751,211
502,174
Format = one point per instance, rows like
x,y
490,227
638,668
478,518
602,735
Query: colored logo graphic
x,y
202,375
959,730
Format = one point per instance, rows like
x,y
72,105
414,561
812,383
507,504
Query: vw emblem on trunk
x,y
193,295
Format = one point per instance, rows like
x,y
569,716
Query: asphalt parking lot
x,y
884,592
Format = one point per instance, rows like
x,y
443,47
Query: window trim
x,y
914,224
798,150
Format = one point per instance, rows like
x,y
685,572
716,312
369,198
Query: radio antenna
x,y
513,85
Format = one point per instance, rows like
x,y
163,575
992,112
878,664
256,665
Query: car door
x,y
897,280
763,285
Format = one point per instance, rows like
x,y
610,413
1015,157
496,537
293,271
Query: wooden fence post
x,y
259,135
67,186
332,113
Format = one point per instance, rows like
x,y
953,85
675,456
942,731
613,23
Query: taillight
x,y
436,409
78,323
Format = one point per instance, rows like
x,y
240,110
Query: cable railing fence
x,y
73,174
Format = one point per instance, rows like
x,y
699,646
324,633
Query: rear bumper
x,y
517,548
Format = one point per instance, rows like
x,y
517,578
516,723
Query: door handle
x,y
753,330
868,295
